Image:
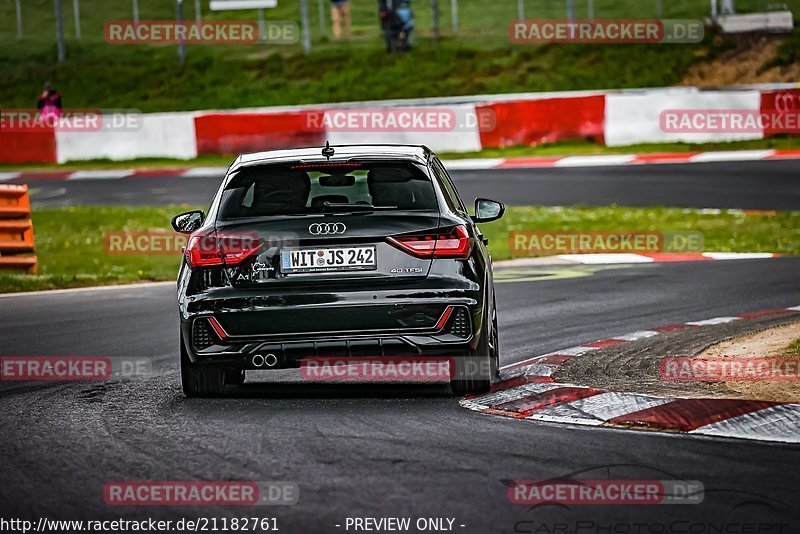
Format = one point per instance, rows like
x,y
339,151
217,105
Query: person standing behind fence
x,y
340,17
49,103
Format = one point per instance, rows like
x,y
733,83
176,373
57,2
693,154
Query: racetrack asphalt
x,y
757,185
381,452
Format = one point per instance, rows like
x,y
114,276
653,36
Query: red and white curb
x,y
527,391
626,258
603,160
117,174
613,160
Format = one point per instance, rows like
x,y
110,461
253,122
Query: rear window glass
x,y
267,190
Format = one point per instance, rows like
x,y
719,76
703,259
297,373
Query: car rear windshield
x,y
266,190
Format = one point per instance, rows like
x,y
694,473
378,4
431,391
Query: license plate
x,y
310,260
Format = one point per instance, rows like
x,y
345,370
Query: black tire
x,y
475,372
206,380
494,349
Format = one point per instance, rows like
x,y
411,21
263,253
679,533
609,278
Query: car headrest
x,y
284,192
390,187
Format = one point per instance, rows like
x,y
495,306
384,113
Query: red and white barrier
x,y
234,133
28,147
533,122
614,118
457,132
156,135
636,118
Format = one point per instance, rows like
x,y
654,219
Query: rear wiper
x,y
342,206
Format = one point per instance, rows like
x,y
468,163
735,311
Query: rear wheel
x,y
494,348
206,380
474,373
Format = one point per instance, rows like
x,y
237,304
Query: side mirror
x,y
188,222
487,210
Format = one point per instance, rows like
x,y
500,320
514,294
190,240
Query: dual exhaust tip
x,y
268,360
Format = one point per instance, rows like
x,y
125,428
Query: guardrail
x,y
620,117
16,229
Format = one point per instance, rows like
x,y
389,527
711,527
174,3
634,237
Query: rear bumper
x,y
454,334
227,335
441,314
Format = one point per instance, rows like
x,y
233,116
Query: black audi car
x,y
345,252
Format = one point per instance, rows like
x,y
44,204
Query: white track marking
x,y
633,336
718,320
606,406
205,172
595,161
778,423
738,255
101,174
476,164
512,394
533,369
732,155
571,351
119,287
605,259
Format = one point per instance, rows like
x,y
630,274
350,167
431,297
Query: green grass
x,y
722,232
563,148
479,60
70,241
793,349
70,246
147,78
477,18
581,147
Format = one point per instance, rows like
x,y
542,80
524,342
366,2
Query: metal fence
x,y
462,19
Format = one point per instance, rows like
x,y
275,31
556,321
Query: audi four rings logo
x,y
326,228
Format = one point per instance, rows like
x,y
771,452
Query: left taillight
x,y
210,250
453,242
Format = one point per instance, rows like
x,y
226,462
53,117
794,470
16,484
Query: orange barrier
x,y
16,229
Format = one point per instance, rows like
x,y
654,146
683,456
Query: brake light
x,y
215,250
326,165
452,242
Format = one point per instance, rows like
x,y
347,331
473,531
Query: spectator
x,y
340,16
49,104
397,23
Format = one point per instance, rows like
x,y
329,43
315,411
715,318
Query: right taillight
x,y
453,242
211,249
